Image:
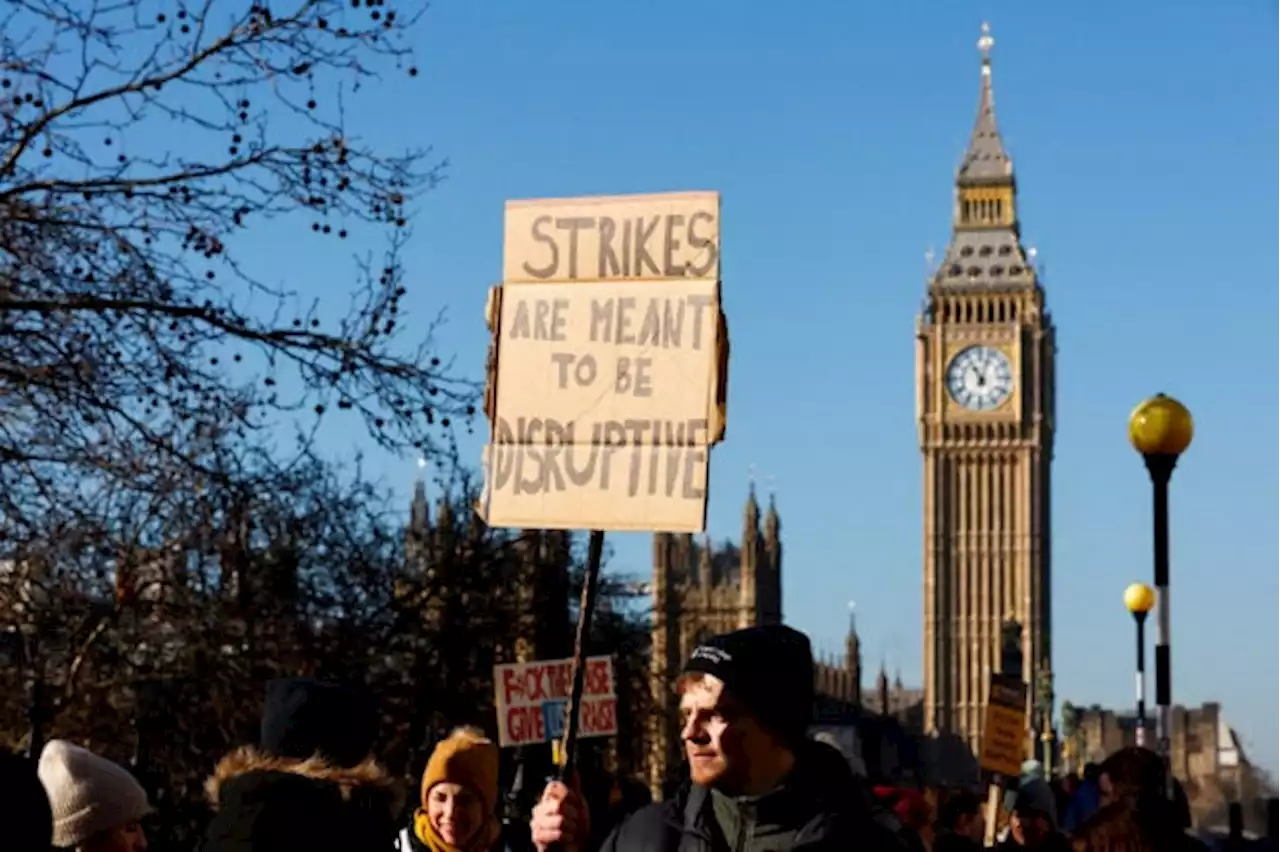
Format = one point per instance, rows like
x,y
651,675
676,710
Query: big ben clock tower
x,y
984,408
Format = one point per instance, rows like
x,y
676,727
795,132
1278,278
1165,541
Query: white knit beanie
x,y
88,794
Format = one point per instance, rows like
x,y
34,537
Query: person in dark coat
x,y
26,820
1033,823
310,783
757,783
1137,813
1085,799
960,824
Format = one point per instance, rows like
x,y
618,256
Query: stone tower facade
x,y
838,678
700,590
542,558
985,415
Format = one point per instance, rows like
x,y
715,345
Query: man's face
x,y
972,826
1106,789
1028,829
124,838
719,736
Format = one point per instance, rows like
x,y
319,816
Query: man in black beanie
x,y
746,700
757,783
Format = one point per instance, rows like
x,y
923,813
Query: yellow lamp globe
x,y
1161,426
1139,598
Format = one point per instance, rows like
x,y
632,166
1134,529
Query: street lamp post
x,y
1160,429
1139,599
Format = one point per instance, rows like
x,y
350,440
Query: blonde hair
x,y
468,732
688,679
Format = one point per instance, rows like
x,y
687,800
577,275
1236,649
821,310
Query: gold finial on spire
x,y
985,42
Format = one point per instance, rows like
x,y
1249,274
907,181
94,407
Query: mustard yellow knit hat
x,y
469,758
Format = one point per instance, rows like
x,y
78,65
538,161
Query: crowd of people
x,y
756,782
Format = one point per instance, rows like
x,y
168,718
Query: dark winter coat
x,y
949,841
1154,825
819,807
28,820
1055,842
266,804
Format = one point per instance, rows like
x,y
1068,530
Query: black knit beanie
x,y
769,670
304,717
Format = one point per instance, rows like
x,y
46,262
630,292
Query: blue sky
x,y
1144,138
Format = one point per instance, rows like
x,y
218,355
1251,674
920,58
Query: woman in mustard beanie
x,y
459,805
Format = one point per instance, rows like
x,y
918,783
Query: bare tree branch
x,y
147,150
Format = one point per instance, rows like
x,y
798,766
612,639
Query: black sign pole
x,y
595,551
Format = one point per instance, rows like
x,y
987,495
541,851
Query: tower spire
x,y
751,512
419,513
853,658
986,160
772,523
985,248
882,689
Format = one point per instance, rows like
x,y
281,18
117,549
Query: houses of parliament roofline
x,y
732,585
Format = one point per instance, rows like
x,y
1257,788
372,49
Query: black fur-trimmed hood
x,y
366,776
264,802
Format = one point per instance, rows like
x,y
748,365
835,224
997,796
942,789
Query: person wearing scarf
x,y
458,812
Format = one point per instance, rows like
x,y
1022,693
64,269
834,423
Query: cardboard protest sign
x,y
531,700
1004,735
603,410
605,396
612,238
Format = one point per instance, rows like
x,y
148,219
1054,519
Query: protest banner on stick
x,y
607,376
1004,730
532,700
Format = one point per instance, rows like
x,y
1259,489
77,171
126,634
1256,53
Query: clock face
x,y
980,378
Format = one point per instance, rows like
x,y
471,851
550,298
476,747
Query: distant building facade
x,y
1205,753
